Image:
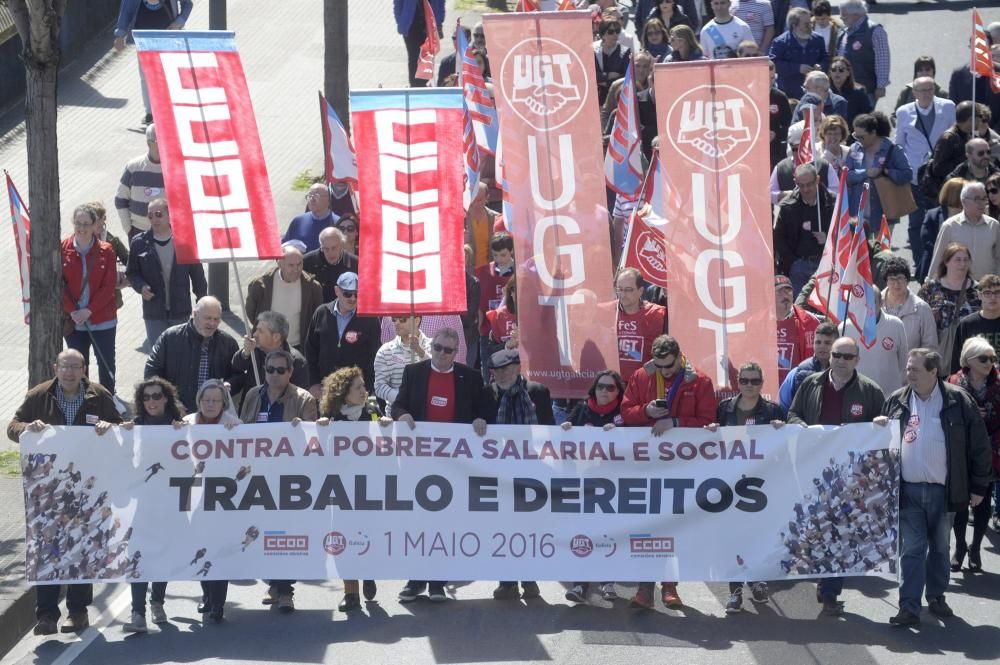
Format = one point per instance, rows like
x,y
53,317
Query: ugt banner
x,y
543,67
410,159
714,128
213,166
359,501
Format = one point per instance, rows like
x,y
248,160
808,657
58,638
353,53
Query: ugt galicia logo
x,y
546,90
652,256
714,130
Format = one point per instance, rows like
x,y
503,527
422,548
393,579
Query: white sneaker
x,y
137,624
156,610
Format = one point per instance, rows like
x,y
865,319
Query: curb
x,y
17,615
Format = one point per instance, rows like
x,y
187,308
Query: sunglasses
x,y
667,366
843,356
612,31
744,381
350,294
992,190
152,397
441,348
980,153
986,359
607,387
838,69
348,229
270,369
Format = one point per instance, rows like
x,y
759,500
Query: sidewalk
x,y
99,131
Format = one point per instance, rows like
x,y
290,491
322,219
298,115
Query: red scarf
x,y
601,410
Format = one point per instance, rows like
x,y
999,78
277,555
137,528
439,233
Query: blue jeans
x,y
799,272
925,527
104,343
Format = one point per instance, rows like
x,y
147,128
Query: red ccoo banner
x,y
543,66
213,166
410,159
721,267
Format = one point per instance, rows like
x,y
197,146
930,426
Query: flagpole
x,y
812,149
835,226
972,71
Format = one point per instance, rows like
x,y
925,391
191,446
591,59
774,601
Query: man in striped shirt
x,y
409,346
141,182
759,15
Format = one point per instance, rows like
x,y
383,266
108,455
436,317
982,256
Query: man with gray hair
x,y
865,44
330,261
141,182
973,228
288,290
801,225
978,164
945,466
191,353
818,83
269,335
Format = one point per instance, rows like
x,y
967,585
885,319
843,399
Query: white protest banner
x,y
359,501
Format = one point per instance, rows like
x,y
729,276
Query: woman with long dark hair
x,y
842,82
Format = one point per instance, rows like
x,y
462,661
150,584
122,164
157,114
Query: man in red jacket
x,y
667,393
796,328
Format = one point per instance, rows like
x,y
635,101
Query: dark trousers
x,y
104,343
283,586
139,595
78,597
214,593
414,39
916,221
980,519
830,588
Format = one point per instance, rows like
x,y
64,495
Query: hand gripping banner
x,y
213,166
721,265
361,501
543,68
410,158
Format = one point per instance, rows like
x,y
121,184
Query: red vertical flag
x,y
885,235
982,57
804,154
544,72
713,129
430,47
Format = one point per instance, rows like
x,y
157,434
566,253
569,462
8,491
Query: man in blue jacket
x,y
410,23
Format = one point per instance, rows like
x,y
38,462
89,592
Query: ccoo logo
x,y
545,82
581,545
714,128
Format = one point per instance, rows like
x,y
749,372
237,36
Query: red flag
x,y
565,5
409,145
22,234
221,208
430,47
804,154
720,240
885,235
982,58
527,6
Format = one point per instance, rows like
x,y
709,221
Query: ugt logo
x,y
714,127
542,80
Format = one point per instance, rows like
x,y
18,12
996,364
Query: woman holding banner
x,y
602,408
215,407
156,403
346,398
747,408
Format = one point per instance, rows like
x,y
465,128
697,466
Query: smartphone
x,y
660,403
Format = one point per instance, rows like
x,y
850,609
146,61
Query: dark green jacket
x,y
968,446
863,400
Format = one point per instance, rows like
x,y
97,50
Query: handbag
x,y
897,200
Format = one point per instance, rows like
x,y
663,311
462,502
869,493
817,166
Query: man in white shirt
x,y
409,346
721,37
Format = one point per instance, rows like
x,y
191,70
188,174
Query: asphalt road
x,y
473,628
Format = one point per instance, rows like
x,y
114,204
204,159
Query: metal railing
x,y
7,29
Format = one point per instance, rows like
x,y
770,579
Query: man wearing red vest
x,y
639,322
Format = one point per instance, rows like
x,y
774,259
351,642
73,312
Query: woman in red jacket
x,y
89,279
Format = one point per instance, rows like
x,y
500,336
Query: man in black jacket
x,y
164,284
441,390
801,225
330,261
338,337
191,353
945,463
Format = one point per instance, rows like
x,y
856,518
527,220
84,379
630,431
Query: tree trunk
x,y
43,201
336,85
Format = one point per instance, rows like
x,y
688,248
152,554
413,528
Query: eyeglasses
x,y
441,348
350,294
348,228
986,359
158,213
152,397
980,153
838,69
977,199
843,356
752,382
606,387
313,196
667,366
280,371
991,293
69,368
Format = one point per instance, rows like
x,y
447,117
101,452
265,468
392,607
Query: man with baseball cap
x,y
796,327
337,337
519,402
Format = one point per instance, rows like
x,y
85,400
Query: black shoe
x,y
957,558
939,608
530,590
832,607
506,592
975,561
411,591
369,589
147,120
216,614
435,593
46,626
904,618
351,601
